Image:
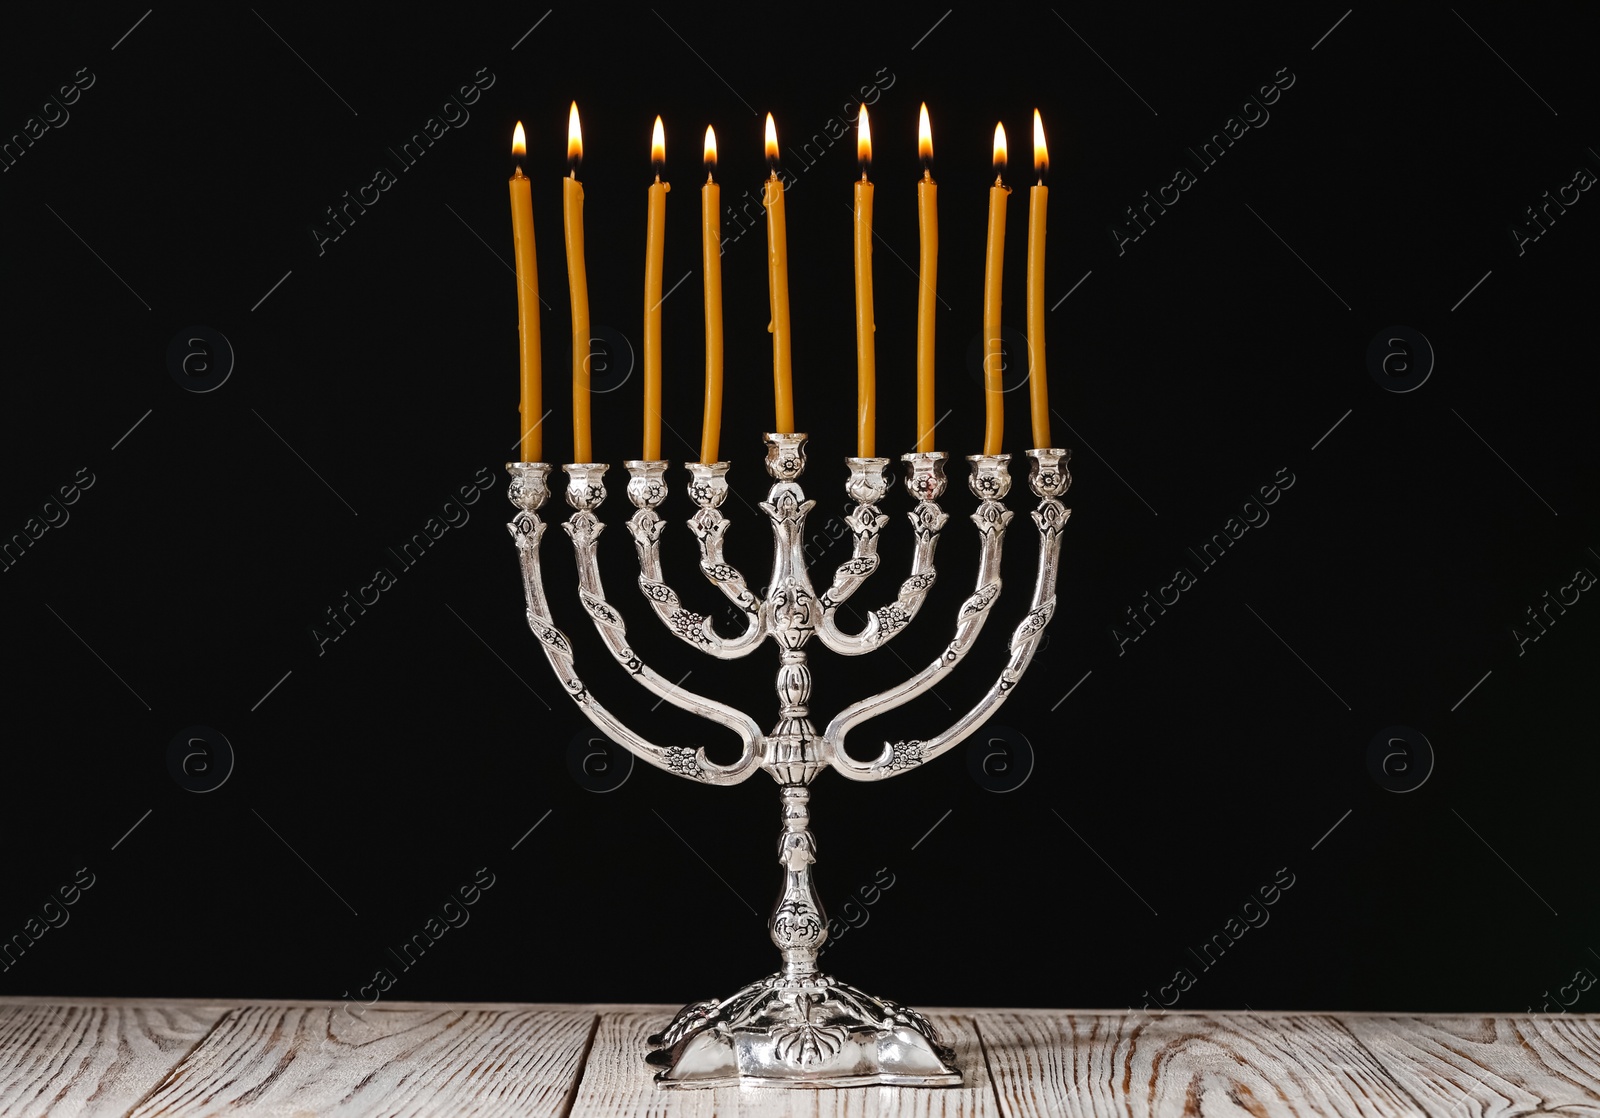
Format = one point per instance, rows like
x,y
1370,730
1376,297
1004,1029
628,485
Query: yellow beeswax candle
x,y
993,356
532,444
866,350
711,259
1038,199
578,287
927,283
778,286
655,238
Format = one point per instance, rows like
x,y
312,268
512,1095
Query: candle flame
x,y
658,146
924,137
999,149
574,139
1041,156
711,151
519,141
863,140
772,143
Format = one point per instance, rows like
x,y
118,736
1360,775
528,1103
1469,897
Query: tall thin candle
x,y
993,354
1038,199
778,286
578,286
655,237
711,259
532,444
866,348
927,283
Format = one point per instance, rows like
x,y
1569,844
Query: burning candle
x,y
927,283
866,355
578,286
993,355
532,445
778,285
711,258
654,254
1038,199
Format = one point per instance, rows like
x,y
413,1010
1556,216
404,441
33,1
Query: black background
x,y
1075,852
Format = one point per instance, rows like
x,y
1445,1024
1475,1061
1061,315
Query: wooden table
x,y
66,1057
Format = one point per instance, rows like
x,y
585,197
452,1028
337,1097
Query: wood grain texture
x,y
1288,1064
303,1061
123,1056
617,1081
69,1060
1470,1066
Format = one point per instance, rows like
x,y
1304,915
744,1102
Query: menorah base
x,y
801,1032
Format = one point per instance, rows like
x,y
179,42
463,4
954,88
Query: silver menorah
x,y
798,1027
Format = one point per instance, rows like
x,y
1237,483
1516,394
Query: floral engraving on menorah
x,y
798,1026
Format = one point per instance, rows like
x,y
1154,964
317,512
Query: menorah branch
x,y
585,493
1048,479
529,490
989,482
707,487
925,479
868,483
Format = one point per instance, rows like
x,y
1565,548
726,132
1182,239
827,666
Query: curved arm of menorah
x,y
528,492
868,483
585,492
1049,479
707,488
990,482
925,479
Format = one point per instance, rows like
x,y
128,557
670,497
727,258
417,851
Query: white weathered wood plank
x,y
322,1060
617,1081
1490,1066
1189,1063
73,1057
69,1060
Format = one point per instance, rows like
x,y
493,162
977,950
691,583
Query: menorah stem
x,y
798,924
